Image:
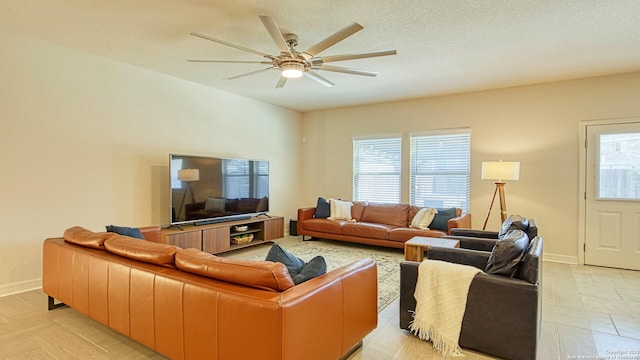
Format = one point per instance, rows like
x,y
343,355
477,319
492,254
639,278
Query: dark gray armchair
x,y
503,314
485,240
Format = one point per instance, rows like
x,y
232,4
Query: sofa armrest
x,y
462,221
340,307
477,259
151,233
474,233
474,243
304,214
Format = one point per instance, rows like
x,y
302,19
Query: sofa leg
x,y
351,351
53,305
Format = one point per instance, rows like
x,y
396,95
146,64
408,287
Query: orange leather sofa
x,y
187,304
374,224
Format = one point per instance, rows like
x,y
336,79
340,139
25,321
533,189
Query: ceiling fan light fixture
x,y
292,70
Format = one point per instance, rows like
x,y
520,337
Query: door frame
x,y
582,171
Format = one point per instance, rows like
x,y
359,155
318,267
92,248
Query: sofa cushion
x,y
441,219
324,225
404,234
367,230
390,214
323,209
528,269
145,251
265,275
299,270
507,253
126,231
513,222
423,218
357,209
340,210
85,237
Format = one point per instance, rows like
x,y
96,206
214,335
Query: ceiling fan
x,y
293,63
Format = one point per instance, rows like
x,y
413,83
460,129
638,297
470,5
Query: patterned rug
x,y
338,254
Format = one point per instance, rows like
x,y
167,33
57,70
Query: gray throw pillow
x,y
441,219
323,209
513,222
507,253
126,231
298,269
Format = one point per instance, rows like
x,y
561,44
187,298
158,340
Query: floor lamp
x,y
188,176
499,171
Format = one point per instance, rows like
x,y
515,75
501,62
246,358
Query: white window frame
x,y
433,174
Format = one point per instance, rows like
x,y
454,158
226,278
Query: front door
x,y
612,213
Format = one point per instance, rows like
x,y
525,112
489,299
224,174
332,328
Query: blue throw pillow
x,y
126,231
441,219
298,269
323,209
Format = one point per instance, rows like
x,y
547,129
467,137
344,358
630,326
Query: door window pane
x,y
619,166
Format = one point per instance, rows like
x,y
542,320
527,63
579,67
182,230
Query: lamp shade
x,y
500,170
189,175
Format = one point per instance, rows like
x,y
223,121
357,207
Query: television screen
x,y
209,189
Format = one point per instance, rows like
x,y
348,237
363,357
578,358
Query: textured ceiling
x,y
444,47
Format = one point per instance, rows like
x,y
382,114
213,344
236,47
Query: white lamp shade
x,y
189,175
500,170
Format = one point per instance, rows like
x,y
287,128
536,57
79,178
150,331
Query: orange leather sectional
x,y
174,301
374,224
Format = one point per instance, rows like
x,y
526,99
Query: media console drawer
x,y
216,238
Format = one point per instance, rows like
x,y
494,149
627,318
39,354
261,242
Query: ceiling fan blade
x,y
361,55
345,70
273,29
333,39
281,82
230,61
249,73
318,78
231,45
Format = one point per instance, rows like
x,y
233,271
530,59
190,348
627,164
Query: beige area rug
x,y
338,254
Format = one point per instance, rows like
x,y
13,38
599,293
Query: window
x,y
619,166
440,168
377,169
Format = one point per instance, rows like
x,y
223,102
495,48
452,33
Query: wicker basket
x,y
242,239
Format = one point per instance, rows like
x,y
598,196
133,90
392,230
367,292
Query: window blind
x,y
377,169
440,169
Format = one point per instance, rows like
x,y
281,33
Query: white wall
x,y
85,141
536,125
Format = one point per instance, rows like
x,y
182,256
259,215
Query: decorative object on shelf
x,y
242,239
188,176
240,228
499,171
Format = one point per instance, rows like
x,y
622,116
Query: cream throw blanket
x,y
441,298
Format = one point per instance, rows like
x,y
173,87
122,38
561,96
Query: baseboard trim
x,y
20,287
557,258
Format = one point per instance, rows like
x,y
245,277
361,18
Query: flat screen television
x,y
206,189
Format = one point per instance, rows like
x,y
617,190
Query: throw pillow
x,y
298,269
323,209
507,253
441,219
340,210
292,262
215,205
423,218
315,267
513,222
126,231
